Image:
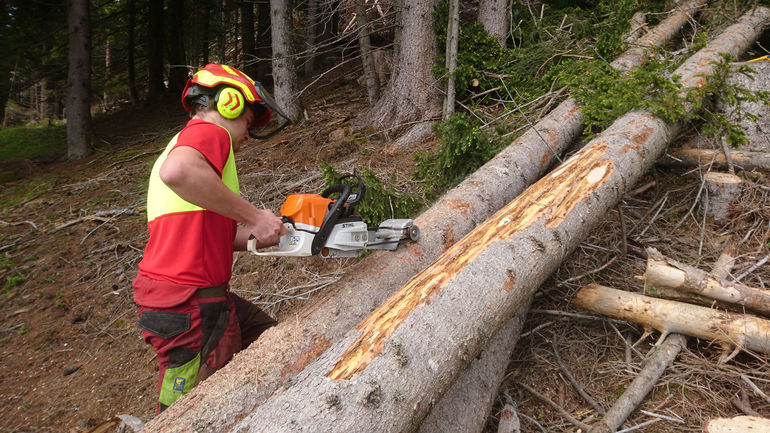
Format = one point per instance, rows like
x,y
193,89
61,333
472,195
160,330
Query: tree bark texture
x,y
283,351
663,272
633,396
248,40
452,35
367,59
746,160
177,69
722,190
412,94
730,330
757,131
79,80
384,374
284,73
494,15
311,26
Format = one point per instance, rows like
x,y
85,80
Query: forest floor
x,y
71,355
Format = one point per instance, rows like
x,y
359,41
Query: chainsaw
x,y
318,225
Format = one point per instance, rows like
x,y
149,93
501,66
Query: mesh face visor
x,y
267,125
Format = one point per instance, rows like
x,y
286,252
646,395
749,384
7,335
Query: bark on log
x,y
663,272
722,189
756,130
281,353
739,424
384,374
730,330
641,385
745,160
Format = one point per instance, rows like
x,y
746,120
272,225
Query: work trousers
x,y
194,339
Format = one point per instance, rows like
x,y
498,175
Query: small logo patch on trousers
x,y
179,384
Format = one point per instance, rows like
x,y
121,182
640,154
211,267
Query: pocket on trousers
x,y
164,324
179,380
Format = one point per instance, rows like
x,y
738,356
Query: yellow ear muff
x,y
230,103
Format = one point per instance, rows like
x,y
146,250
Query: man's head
x,y
228,91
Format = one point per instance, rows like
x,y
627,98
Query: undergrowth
x,y
38,143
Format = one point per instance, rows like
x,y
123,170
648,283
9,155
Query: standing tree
x,y
367,60
177,71
452,35
264,44
284,74
248,40
411,95
79,80
311,24
155,86
130,66
494,15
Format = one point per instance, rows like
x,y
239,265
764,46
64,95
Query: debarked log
x,y
746,160
283,351
730,330
739,424
385,374
663,273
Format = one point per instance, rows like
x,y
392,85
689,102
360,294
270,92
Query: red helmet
x,y
214,76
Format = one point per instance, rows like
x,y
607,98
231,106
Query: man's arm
x,y
188,173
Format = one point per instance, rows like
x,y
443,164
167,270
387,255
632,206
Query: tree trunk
x,y
382,373
367,59
311,26
248,38
79,81
264,44
130,64
177,68
233,391
452,34
663,272
729,330
155,86
412,95
284,73
642,385
495,15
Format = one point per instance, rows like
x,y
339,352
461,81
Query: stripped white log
x,y
739,424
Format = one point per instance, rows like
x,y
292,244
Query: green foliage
x,y
464,147
380,201
39,143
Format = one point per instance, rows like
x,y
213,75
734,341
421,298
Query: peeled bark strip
x,y
722,191
642,385
384,374
741,331
745,160
739,424
663,272
283,351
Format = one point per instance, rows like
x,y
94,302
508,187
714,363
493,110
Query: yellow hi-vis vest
x,y
161,200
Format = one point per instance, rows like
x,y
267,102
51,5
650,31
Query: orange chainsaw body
x,y
307,209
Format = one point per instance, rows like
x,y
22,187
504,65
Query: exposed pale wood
x,y
654,367
722,190
509,420
741,331
665,273
739,424
725,262
746,160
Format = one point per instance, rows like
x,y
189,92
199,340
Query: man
x,y
187,312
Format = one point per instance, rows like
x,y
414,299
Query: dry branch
x,y
740,331
641,385
665,273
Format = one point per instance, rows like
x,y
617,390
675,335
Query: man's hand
x,y
267,228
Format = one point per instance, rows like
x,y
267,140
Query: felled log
x,y
641,385
730,330
739,424
384,374
722,190
756,130
665,273
746,160
282,352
